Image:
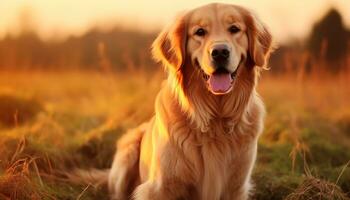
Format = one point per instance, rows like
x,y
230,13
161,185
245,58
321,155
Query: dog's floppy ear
x,y
259,39
169,48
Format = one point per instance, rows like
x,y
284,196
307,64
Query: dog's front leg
x,y
152,190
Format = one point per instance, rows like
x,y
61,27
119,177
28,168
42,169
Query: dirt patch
x,y
314,188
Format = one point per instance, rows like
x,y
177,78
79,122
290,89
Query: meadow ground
x,y
52,122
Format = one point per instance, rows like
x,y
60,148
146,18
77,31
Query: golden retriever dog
x,y
202,141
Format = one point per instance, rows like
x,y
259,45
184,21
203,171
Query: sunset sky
x,y
286,19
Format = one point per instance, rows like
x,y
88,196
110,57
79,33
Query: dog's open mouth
x,y
221,81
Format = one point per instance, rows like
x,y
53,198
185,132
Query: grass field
x,y
51,122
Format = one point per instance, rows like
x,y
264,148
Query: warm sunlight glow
x,y
131,95
57,18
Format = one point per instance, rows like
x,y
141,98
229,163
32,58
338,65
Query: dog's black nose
x,y
220,53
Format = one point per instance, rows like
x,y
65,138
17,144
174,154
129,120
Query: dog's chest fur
x,y
220,158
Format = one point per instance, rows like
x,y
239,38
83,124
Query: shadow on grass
x,y
16,110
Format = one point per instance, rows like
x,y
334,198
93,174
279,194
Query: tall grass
x,y
80,115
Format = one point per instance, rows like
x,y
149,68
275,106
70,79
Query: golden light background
x,y
58,18
68,95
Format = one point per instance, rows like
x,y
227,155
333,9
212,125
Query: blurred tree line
x,y
327,47
103,50
108,50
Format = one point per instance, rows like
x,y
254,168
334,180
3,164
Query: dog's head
x,y
215,40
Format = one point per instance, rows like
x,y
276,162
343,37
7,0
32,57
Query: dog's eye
x,y
234,29
200,32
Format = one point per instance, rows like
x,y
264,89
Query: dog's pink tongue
x,y
220,83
